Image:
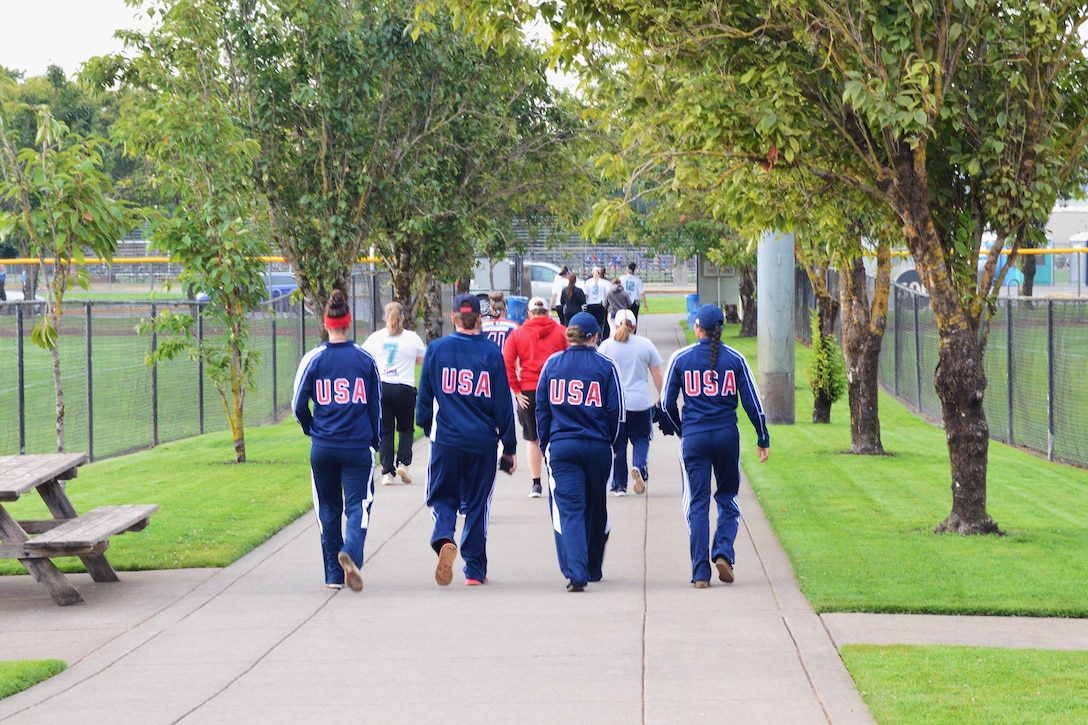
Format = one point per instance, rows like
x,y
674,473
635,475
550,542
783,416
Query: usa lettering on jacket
x,y
466,382
705,382
574,392
340,391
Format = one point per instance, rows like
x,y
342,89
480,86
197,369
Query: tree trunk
x,y
960,378
731,315
58,390
1030,264
432,309
862,338
961,385
747,289
827,309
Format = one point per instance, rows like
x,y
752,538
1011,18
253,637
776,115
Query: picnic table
x,y
36,542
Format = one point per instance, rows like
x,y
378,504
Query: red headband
x,y
337,322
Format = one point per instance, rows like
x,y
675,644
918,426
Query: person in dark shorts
x,y
526,350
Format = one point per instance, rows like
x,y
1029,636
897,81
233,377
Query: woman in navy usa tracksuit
x,y
714,379
579,407
341,379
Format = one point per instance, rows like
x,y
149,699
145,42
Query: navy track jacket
x,y
711,396
464,397
578,397
341,378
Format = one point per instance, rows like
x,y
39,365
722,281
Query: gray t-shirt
x,y
633,359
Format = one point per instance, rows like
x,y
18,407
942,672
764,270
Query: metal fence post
x,y
1050,380
90,383
917,350
154,382
897,359
200,369
20,354
274,372
1008,369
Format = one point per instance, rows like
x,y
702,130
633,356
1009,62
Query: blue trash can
x,y
693,307
517,308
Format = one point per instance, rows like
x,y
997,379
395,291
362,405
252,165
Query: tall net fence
x,y
114,402
1035,361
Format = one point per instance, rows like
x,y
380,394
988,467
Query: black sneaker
x,y
537,491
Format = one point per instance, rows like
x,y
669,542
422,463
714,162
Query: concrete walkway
x,y
264,641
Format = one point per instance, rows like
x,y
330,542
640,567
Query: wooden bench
x,y
90,533
34,543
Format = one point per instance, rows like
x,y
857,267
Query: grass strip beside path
x,y
859,529
18,676
959,685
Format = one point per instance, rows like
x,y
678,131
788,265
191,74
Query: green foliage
x,y
18,676
60,203
188,130
826,367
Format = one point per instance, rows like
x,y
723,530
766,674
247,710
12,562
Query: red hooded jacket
x,y
528,347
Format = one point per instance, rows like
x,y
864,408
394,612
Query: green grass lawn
x,y
956,685
17,676
211,511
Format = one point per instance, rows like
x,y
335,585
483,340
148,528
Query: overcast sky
x,y
37,33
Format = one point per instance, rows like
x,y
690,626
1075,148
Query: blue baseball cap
x,y
466,302
586,321
709,316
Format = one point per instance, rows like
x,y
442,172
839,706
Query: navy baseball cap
x,y
466,302
709,316
586,321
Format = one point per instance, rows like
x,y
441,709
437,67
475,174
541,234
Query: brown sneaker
x,y
702,584
725,569
352,577
639,484
443,573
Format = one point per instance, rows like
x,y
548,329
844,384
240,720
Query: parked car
x,y
279,286
540,275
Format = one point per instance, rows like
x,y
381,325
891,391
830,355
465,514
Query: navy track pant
x,y
638,428
701,454
465,480
580,472
343,487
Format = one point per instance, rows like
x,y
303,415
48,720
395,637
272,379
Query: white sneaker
x,y
639,482
388,479
402,471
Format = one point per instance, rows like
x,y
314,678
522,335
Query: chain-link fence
x,y
115,403
1035,363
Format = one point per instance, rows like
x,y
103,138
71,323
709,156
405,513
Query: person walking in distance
x,y
397,352
579,413
714,379
633,284
616,299
496,327
573,298
634,356
525,352
341,380
465,410
596,288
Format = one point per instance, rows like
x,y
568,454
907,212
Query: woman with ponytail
x,y
397,352
715,379
341,380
